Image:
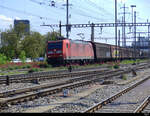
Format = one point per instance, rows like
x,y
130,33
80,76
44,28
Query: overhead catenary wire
x,y
93,4
84,12
24,12
80,11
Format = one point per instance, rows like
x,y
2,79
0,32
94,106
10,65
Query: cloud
x,y
18,18
4,18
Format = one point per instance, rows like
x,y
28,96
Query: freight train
x,y
68,51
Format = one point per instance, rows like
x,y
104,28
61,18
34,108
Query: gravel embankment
x,y
78,105
13,86
96,97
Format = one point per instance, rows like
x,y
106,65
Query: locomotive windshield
x,y
57,45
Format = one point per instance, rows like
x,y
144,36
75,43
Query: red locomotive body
x,y
66,51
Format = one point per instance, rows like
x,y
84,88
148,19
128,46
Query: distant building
x,y
143,44
27,25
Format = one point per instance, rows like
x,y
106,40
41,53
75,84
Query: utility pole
x,y
149,40
133,6
116,27
139,42
67,18
124,25
119,42
122,33
135,33
60,28
124,21
92,32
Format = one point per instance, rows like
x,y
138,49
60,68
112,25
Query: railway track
x,y
43,90
144,107
124,101
10,97
68,80
51,75
73,79
46,76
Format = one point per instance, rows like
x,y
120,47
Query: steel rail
x,y
49,91
84,77
44,77
44,86
19,91
112,98
143,105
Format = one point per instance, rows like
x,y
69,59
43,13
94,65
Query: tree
x,y
33,45
3,59
22,56
51,36
11,41
20,29
14,41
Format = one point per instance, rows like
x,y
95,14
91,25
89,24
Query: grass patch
x,y
132,61
124,77
127,62
110,67
44,65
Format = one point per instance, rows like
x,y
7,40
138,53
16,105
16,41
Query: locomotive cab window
x,y
67,45
57,45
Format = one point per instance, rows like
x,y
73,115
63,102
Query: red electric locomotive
x,y
68,51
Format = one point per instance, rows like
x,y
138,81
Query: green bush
x,y
23,67
3,59
109,66
16,67
3,69
116,66
28,66
33,70
124,77
10,68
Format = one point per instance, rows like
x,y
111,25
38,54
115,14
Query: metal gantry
x,y
100,25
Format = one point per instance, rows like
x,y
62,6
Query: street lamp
x,y
132,6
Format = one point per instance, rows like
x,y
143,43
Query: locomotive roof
x,y
79,42
72,41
